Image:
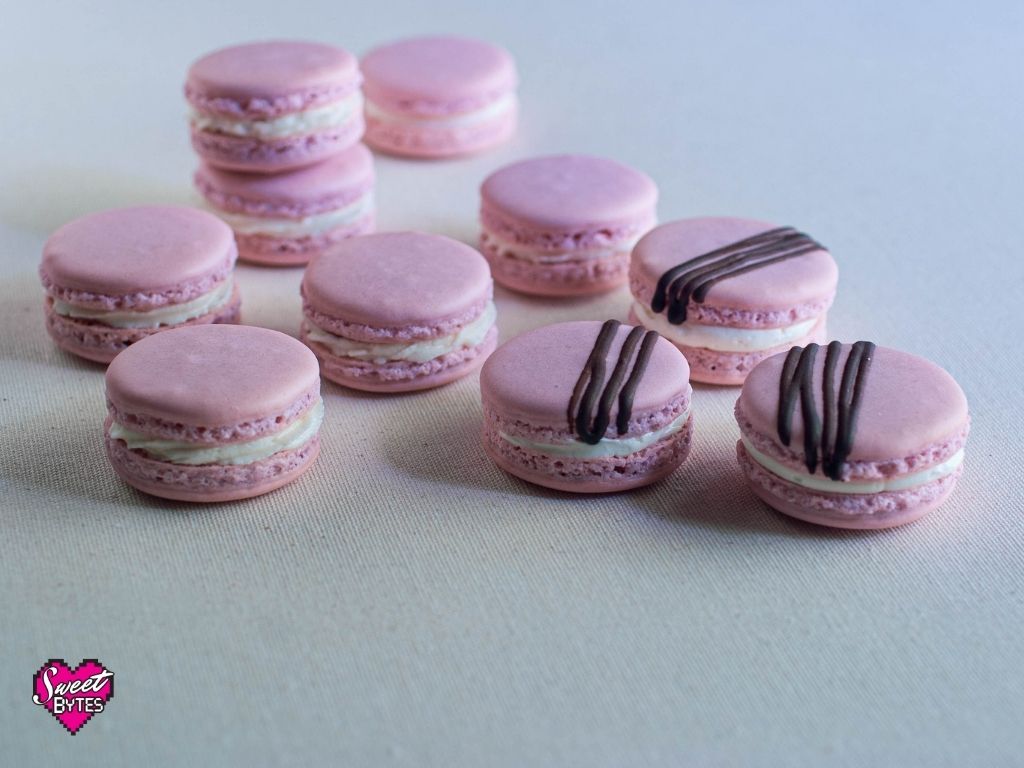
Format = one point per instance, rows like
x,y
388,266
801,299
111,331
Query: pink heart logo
x,y
73,696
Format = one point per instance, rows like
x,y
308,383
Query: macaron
x,y
851,435
213,412
731,292
587,407
272,106
118,276
435,97
564,225
398,312
288,218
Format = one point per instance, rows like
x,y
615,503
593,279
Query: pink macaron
x,y
564,225
288,218
435,97
213,412
851,436
587,407
115,277
731,292
272,106
398,312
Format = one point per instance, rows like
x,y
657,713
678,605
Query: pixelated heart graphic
x,y
73,696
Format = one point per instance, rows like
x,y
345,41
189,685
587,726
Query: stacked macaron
x,y
289,217
289,109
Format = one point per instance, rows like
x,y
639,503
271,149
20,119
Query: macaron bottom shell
x,y
419,139
238,153
853,511
712,366
581,277
402,376
599,475
101,343
209,482
270,250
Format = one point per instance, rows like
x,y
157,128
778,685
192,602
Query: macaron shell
x,y
799,280
212,375
275,251
102,343
532,377
427,141
583,277
908,403
711,366
403,376
397,279
272,68
437,75
569,192
137,250
621,473
250,155
853,511
328,185
209,483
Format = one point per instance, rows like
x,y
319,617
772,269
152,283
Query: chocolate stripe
x,y
692,279
591,390
828,390
836,435
585,393
629,391
851,391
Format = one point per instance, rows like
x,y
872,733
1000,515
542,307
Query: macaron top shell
x,y
271,70
783,285
137,250
570,192
396,279
532,377
437,75
212,375
908,403
326,185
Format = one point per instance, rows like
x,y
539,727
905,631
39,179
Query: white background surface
x,y
406,603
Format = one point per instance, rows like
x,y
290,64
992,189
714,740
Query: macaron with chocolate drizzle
x,y
731,292
587,407
851,435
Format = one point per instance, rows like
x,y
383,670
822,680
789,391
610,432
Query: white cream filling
x,y
721,338
295,435
525,253
495,109
822,483
170,314
310,225
293,124
606,448
469,335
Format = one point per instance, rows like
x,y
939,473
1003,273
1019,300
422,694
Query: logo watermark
x,y
73,696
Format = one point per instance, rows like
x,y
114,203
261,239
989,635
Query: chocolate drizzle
x,y
692,279
836,432
591,391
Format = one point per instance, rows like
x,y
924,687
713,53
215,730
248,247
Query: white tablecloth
x,y
406,603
